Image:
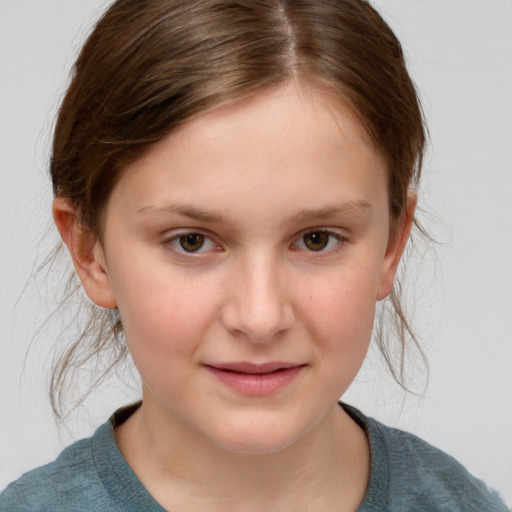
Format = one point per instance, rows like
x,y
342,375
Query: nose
x,y
258,304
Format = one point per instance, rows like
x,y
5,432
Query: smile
x,y
256,380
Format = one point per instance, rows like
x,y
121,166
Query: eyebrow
x,y
192,212
350,207
306,215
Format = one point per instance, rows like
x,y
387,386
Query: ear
x,y
86,252
396,246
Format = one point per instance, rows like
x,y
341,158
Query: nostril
x,y
261,326
258,304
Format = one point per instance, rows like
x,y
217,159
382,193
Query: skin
x,y
255,178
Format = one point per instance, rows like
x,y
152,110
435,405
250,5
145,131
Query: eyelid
x,y
214,246
175,234
332,232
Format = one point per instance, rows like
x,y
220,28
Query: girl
x,y
234,183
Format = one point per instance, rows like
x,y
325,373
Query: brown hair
x,y
150,66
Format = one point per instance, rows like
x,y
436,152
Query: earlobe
x,y
86,252
396,247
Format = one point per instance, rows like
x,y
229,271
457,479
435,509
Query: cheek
x,y
164,319
341,311
339,315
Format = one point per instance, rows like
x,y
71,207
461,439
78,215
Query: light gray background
x,y
460,55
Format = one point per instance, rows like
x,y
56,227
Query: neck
x,y
185,471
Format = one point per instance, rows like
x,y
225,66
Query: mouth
x,y
253,369
256,379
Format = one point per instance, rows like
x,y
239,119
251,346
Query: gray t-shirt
x,y
407,474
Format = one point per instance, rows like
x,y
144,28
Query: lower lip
x,y
257,384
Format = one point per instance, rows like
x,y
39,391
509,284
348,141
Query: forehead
x,y
269,151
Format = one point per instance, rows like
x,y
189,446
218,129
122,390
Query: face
x,y
246,253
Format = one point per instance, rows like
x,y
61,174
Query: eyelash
x,y
332,236
174,242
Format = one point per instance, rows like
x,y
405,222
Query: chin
x,y
254,437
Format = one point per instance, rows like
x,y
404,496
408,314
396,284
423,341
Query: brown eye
x,y
192,242
316,240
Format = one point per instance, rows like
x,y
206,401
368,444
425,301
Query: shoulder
x,y
408,473
430,476
71,482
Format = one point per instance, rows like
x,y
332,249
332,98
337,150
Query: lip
x,y
256,379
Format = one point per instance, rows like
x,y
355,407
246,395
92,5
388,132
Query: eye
x,y
191,243
320,240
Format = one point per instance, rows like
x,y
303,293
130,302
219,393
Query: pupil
x,y
192,242
316,241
